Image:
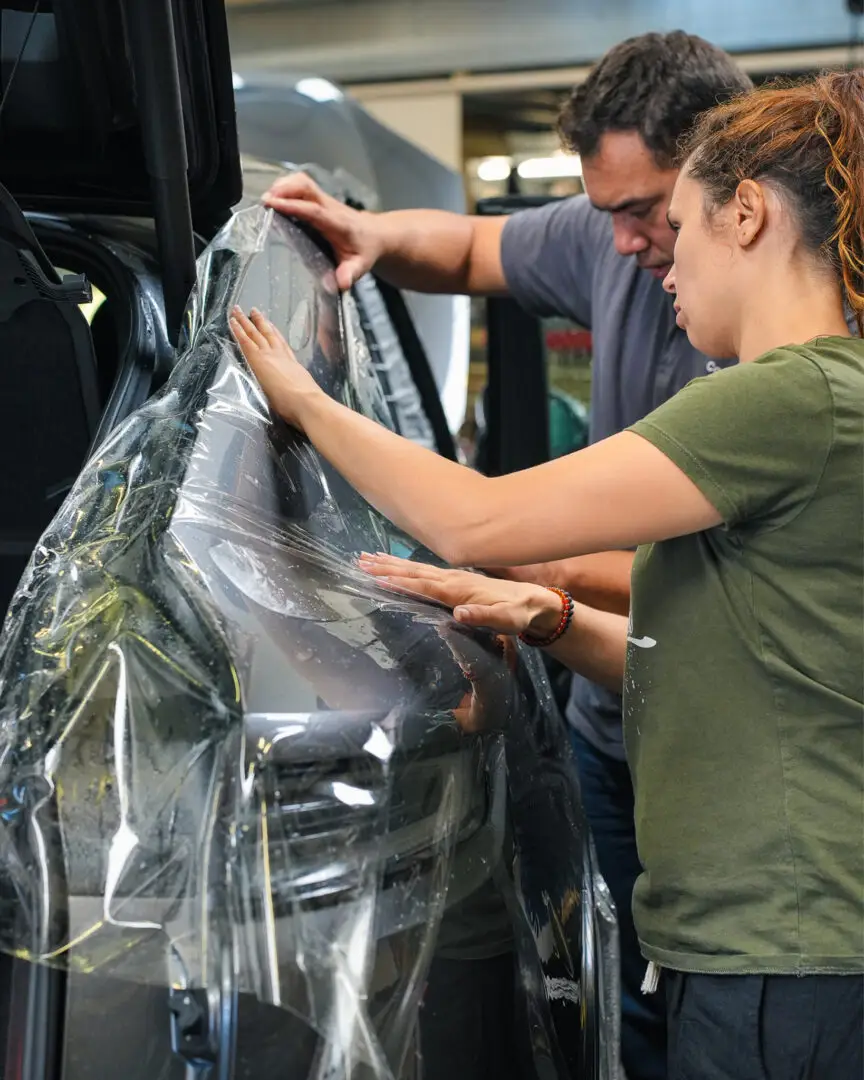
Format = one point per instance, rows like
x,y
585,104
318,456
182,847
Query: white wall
x,y
432,121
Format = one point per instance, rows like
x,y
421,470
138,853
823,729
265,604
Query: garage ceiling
x,y
370,40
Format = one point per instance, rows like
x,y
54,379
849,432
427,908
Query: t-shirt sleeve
x,y
754,438
549,255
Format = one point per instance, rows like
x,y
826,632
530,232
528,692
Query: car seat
x,y
49,400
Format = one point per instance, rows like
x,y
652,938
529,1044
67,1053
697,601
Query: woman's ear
x,y
750,212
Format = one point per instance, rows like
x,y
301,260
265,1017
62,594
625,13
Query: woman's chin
x,y
700,341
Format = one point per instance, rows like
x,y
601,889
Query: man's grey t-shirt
x,y
561,260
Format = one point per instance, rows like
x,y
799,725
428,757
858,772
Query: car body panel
x,y
232,765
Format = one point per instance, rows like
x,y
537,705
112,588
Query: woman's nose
x,y
669,282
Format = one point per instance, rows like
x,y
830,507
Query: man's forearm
x,y
440,252
601,581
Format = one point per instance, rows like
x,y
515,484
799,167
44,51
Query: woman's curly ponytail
x,y
840,121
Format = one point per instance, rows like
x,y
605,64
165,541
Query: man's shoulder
x,y
551,255
572,214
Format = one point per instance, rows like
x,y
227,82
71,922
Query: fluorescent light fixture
x,y
239,81
551,168
318,89
492,169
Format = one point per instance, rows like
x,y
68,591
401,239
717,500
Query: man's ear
x,y
750,211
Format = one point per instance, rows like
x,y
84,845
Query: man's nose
x,y
628,241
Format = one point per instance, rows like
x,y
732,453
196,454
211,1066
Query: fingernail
x,y
460,612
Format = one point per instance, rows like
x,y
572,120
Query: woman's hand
x,y
510,607
288,385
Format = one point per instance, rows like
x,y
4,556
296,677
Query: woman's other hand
x,y
510,607
287,384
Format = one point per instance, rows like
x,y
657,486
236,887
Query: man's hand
x,y
600,581
351,233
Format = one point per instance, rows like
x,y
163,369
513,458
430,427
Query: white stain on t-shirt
x,y
642,642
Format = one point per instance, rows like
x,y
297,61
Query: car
x,y
258,816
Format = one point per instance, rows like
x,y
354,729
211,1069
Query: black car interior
x,y
49,390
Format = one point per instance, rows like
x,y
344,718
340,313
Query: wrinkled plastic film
x,y
230,760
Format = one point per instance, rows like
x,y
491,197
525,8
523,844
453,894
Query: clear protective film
x,y
232,765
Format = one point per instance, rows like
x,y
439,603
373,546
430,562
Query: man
x,y
599,259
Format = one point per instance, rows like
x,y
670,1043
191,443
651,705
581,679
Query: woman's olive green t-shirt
x,y
744,723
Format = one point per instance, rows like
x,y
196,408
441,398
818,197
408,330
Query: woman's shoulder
x,y
829,354
830,367
839,362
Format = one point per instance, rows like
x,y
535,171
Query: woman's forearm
x,y
429,497
595,646
613,495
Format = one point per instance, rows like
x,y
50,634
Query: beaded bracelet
x,y
561,629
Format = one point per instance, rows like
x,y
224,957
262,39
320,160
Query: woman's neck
x,y
790,309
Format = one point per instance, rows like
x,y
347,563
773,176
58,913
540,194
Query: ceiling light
x,y
318,89
492,169
551,168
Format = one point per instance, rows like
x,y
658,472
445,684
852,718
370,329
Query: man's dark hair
x,y
654,84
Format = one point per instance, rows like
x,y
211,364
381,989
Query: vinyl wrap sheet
x,y
230,761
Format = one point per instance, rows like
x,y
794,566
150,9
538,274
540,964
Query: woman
x,y
743,661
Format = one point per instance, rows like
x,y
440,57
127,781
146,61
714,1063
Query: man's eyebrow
x,y
627,205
